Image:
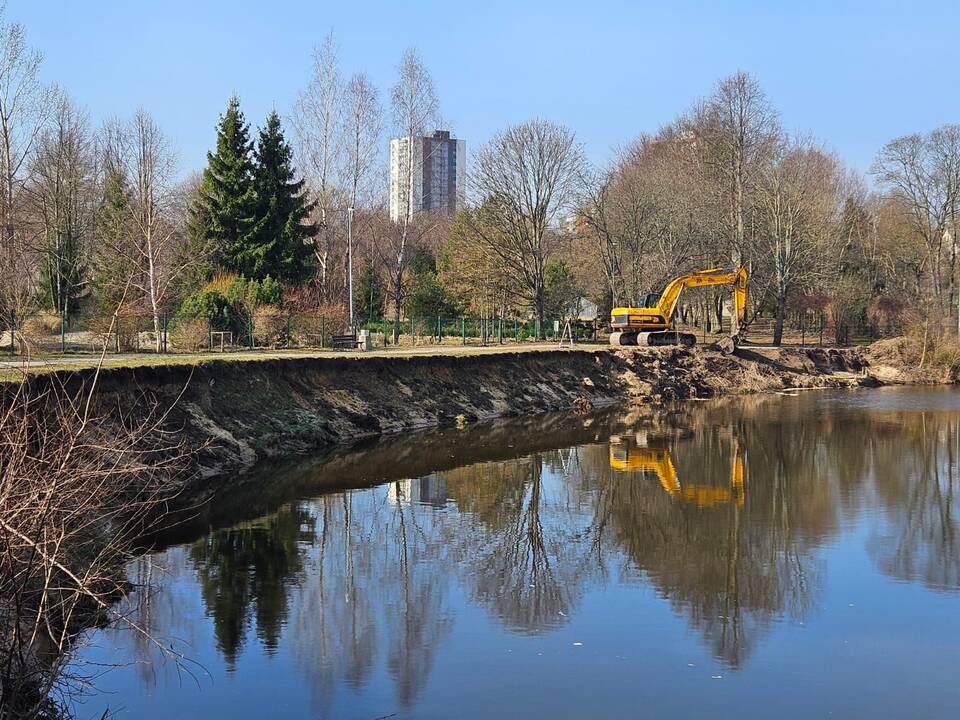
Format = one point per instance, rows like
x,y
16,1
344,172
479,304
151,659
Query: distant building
x,y
438,180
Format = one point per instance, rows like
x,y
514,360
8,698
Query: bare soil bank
x,y
235,414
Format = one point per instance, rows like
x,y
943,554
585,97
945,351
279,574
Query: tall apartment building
x,y
438,180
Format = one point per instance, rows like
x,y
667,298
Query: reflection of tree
x,y
532,570
918,482
730,569
417,618
248,570
377,578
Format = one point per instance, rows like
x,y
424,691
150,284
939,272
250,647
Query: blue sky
x,y
854,74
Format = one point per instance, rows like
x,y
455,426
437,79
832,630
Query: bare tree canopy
x,y
26,105
526,177
922,173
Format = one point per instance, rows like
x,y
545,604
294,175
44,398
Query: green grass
x,y
49,365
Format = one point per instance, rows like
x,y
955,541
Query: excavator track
x,y
653,339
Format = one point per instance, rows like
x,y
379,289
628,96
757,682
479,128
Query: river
x,y
777,556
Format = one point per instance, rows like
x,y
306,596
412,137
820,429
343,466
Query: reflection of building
x,y
429,490
437,179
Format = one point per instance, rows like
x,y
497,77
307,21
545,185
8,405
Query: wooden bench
x,y
344,342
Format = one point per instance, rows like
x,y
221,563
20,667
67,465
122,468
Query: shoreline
x,y
234,414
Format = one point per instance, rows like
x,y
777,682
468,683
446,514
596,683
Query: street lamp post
x,y
350,263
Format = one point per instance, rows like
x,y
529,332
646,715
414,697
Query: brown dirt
x,y
238,413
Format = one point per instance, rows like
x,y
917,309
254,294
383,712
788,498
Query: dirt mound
x,y
666,374
900,360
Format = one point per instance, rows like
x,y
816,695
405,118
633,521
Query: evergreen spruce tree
x,y
114,266
222,215
278,246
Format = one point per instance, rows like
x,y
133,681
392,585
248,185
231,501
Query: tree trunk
x,y
540,303
154,304
397,295
778,323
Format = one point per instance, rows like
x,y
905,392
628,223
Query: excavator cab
x,y
650,300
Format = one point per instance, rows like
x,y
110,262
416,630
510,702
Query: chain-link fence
x,y
816,330
45,334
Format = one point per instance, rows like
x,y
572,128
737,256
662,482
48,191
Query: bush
x,y
189,334
38,330
229,301
208,304
270,326
890,314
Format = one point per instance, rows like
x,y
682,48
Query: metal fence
x,y
44,334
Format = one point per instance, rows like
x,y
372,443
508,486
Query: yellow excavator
x,y
626,456
652,324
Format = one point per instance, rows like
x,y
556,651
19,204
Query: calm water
x,y
795,557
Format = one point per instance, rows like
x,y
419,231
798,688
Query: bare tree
x,y
318,118
141,153
62,194
922,172
25,106
526,177
415,106
77,489
741,128
362,129
394,245
799,205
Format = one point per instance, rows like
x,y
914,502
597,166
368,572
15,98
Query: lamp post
x,y
350,263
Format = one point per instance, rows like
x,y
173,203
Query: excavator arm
x,y
631,458
667,304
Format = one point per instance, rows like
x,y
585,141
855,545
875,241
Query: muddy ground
x,y
232,414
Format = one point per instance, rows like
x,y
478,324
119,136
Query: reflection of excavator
x,y
652,324
630,457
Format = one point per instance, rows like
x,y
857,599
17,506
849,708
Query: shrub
x,y
270,326
889,313
38,330
208,304
229,302
189,334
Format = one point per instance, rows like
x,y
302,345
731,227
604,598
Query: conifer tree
x,y
113,269
278,245
222,215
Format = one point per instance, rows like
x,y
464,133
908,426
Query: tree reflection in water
x,y
919,538
529,563
248,571
359,580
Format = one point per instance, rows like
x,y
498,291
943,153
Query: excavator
x,y
652,324
628,456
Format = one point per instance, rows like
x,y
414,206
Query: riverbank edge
x,y
231,415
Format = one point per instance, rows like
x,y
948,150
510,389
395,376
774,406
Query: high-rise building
x,y
438,178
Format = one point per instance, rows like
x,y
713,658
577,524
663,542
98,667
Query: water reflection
x,y
724,509
246,574
730,555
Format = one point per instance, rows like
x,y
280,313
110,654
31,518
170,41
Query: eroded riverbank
x,y
234,414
